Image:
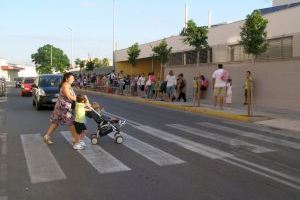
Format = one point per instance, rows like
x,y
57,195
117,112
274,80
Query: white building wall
x,y
283,2
280,23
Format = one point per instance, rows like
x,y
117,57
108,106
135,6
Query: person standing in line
x,y
62,114
204,86
247,87
181,87
220,77
229,93
171,84
196,90
142,82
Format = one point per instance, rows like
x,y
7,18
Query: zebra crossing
x,y
43,167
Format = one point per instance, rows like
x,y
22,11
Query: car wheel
x,y
37,106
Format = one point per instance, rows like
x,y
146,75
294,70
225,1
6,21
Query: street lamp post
x,y
114,64
71,30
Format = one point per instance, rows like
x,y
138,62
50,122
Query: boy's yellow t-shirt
x,y
80,112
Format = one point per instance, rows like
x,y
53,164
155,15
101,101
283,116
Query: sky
x,y
26,25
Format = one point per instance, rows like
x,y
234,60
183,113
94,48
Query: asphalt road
x,y
166,155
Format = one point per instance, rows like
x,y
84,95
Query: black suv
x,y
46,90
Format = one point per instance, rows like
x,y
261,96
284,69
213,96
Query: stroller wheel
x,y
94,139
117,134
119,139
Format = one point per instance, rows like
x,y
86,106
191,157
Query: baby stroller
x,y
106,125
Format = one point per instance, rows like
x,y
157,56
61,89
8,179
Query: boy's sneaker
x,y
78,146
82,143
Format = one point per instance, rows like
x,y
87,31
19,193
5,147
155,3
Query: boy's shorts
x,y
80,127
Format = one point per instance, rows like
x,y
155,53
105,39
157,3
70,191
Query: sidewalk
x,y
273,117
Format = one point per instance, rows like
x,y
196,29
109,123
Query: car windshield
x,y
29,80
50,81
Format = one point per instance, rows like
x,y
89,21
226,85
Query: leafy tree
x,y
133,53
162,53
42,60
97,62
105,62
77,62
196,36
80,63
254,35
90,65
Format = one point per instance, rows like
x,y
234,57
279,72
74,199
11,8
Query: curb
x,y
197,110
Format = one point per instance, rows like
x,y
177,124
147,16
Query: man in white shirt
x,y
219,86
171,84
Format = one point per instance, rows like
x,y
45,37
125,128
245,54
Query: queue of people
x,y
171,88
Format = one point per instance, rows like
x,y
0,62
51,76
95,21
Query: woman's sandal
x,y
47,139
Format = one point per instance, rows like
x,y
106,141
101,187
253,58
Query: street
x,y
166,154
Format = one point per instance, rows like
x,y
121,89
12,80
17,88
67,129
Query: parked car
x,y
19,82
46,90
27,86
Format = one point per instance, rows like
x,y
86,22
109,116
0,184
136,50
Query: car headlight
x,y
41,92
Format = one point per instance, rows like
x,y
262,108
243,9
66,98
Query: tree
x,y
90,65
253,34
105,62
196,36
162,53
80,63
97,62
42,60
133,53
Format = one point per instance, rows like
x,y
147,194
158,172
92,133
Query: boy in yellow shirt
x,y
80,121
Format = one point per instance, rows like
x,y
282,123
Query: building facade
x,y
274,71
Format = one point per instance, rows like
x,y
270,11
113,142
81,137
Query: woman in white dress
x,y
229,92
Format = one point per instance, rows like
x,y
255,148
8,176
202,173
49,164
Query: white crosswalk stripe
x,y
100,159
213,153
220,138
41,163
3,99
265,129
268,139
3,165
154,154
185,143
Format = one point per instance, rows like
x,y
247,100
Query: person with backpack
x,y
220,77
181,88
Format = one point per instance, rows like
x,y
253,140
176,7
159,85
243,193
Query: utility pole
x,y
71,30
114,63
51,56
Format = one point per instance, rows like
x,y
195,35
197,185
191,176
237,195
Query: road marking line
x,y
185,143
3,164
277,141
220,138
41,163
154,154
262,174
266,129
100,159
230,159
